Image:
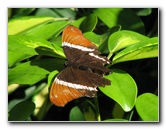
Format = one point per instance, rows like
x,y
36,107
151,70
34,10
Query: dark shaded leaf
x,y
21,111
119,16
89,23
76,114
143,11
115,120
66,12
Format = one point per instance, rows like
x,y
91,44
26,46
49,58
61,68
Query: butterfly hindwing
x,y
60,94
66,87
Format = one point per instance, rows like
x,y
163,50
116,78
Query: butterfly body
x,y
84,69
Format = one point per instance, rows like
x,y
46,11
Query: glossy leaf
x,y
108,15
123,89
88,110
143,11
23,11
104,39
101,40
119,16
48,30
147,107
33,71
21,111
30,45
124,38
18,51
51,77
69,13
84,112
57,44
14,57
21,25
89,23
22,47
47,12
116,120
29,92
78,22
94,38
118,112
26,44
76,114
140,50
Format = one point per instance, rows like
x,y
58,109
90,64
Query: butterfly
x,y
84,69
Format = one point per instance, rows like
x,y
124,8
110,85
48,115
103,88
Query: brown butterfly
x,y
84,69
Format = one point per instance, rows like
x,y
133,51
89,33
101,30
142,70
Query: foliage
x,y
35,56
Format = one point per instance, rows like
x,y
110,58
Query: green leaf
x,y
40,98
46,12
29,92
51,76
76,114
14,57
119,16
56,41
24,47
89,23
104,39
143,11
48,30
147,107
66,12
118,112
33,71
21,111
100,39
17,51
115,120
22,11
123,89
78,22
94,38
140,50
88,110
21,25
84,112
124,38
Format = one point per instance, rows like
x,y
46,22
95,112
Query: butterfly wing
x,y
73,35
80,50
73,83
84,72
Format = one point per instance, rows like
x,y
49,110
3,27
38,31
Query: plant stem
x,y
97,109
131,114
110,54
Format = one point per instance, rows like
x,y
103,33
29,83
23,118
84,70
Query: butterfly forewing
x,y
73,35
